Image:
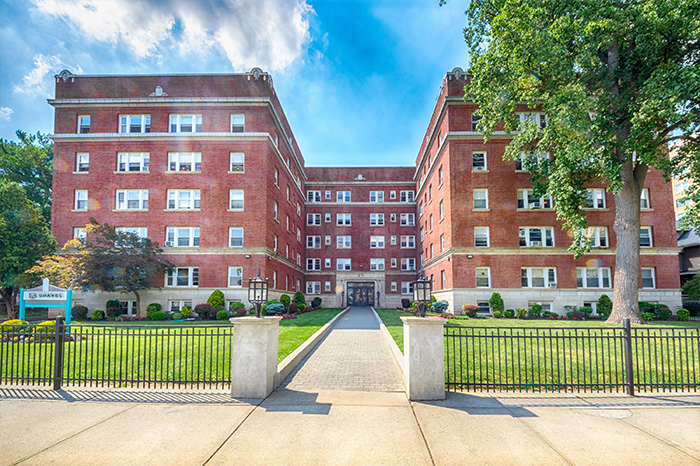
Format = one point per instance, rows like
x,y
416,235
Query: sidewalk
x,y
344,406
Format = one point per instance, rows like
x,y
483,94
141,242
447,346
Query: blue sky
x,y
357,79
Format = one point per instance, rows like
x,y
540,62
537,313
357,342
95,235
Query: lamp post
x,y
422,289
257,292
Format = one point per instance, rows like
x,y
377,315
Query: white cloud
x,y
270,34
6,113
39,79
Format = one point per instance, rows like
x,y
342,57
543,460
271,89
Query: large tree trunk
x,y
8,295
626,226
138,303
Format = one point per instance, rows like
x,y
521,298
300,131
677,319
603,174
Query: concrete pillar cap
x,y
267,320
424,320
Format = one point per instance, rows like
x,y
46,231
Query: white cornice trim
x,y
156,136
368,204
341,183
158,101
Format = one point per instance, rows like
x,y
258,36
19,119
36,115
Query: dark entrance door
x,y
360,294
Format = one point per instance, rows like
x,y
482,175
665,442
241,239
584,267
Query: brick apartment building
x,y
207,166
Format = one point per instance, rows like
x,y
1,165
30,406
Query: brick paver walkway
x,y
353,356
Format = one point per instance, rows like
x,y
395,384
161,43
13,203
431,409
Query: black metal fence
x,y
116,355
572,359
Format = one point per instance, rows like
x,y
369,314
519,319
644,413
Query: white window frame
x,y
343,264
603,274
407,196
527,200
481,270
343,196
598,236
539,118
488,237
313,264
327,287
394,287
313,219
376,264
237,123
192,277
406,287
128,160
644,200
546,233
174,234
313,196
327,240
376,196
235,280
83,128
343,219
377,242
313,287
176,120
597,198
653,277
479,167
327,263
527,158
79,233
408,242
547,276
394,262
232,239
82,162
648,234
174,199
236,162
484,199
392,194
408,263
408,220
328,194
327,217
178,162
441,210
343,242
126,195
125,124
141,232
313,242
236,200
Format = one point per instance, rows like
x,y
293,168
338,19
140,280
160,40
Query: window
x,y
481,199
644,199
343,242
475,120
443,280
274,243
79,233
343,264
484,307
327,240
175,306
313,219
343,219
134,123
440,176
595,199
392,194
327,287
431,222
343,196
407,287
298,209
180,237
408,220
392,240
376,242
527,200
408,263
235,277
133,161
591,277
408,196
538,118
392,217
275,211
422,234
478,161
536,236
442,242
313,264
328,263
141,232
183,199
237,162
132,199
420,209
313,287
185,123
483,277
235,200
238,123
481,237
376,264
376,219
394,287
598,236
82,162
84,124
328,217
235,237
313,196
442,210
538,277
376,196
128,307
276,177
645,237
313,242
328,194
681,187
530,160
648,277
408,242
182,277
184,161
393,262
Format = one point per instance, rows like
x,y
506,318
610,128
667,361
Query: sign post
x,y
46,296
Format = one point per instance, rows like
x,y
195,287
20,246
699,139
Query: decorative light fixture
x,y
422,290
257,292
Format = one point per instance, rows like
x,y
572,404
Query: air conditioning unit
x,y
534,205
168,244
552,285
535,243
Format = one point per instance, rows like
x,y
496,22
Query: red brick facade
x,y
273,178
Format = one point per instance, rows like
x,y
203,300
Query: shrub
x,y
301,307
151,308
293,308
646,307
509,314
275,309
440,306
662,312
577,312
497,314
587,311
316,303
217,299
535,312
496,303
521,312
158,316
604,307
470,309
405,303
14,326
286,301
185,312
177,316
236,309
693,308
205,311
98,314
683,315
113,308
647,316
45,331
169,315
79,312
299,298
549,314
221,315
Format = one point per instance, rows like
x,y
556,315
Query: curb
x,y
398,355
288,364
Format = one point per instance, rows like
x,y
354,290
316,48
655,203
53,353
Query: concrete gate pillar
x,y
424,348
254,356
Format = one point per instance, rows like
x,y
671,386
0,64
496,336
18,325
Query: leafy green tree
x,y
692,287
29,163
24,239
496,303
217,298
619,82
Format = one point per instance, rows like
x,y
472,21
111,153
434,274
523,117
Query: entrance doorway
x,y
360,294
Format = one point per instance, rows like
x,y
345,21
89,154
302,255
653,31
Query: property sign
x,y
45,295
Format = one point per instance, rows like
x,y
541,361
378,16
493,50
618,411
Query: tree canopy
x,y
24,239
29,163
618,80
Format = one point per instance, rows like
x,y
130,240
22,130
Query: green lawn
x,y
193,352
